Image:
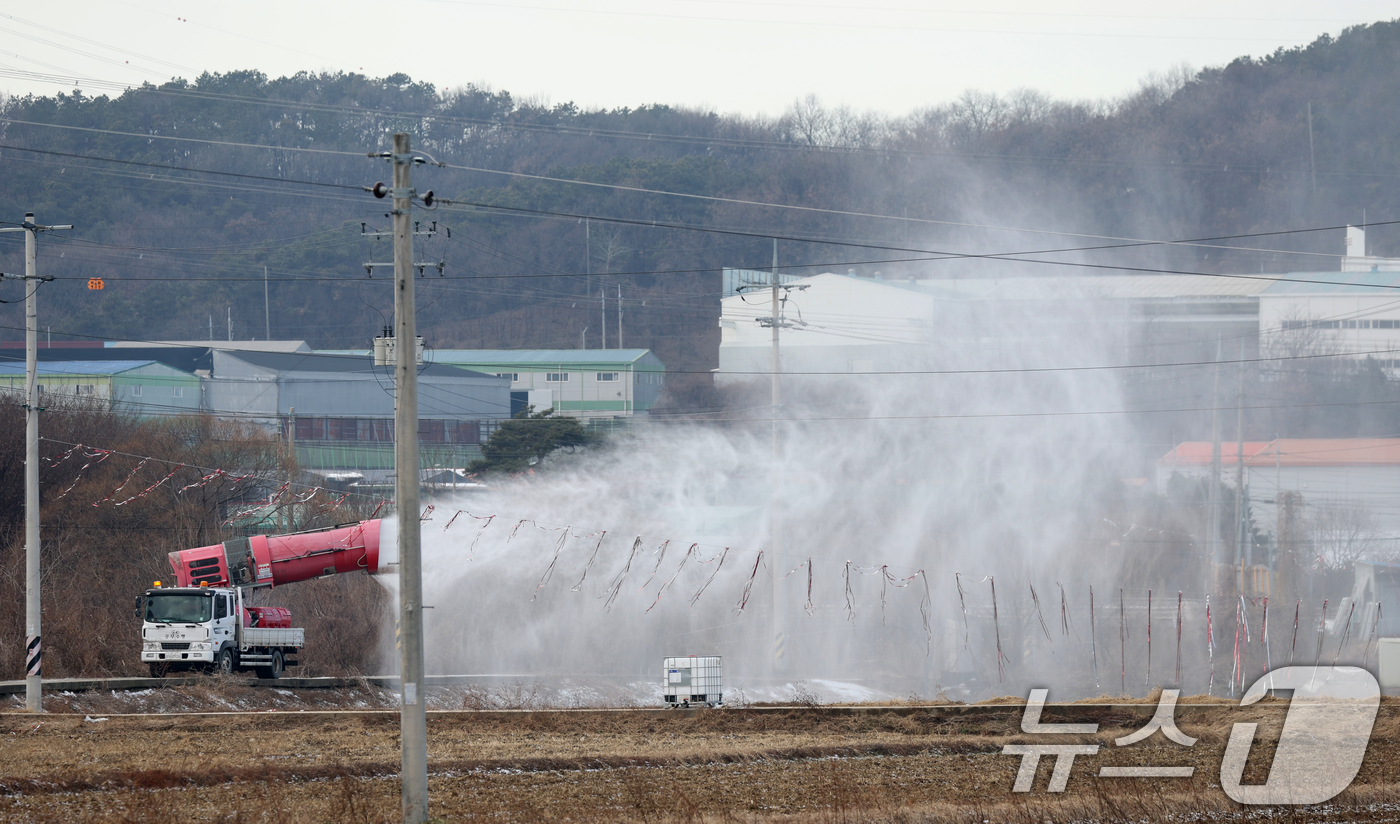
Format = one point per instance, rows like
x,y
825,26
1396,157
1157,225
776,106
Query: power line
x,y
1012,370
1059,414
934,255
708,198
708,141
929,256
204,140
149,165
203,469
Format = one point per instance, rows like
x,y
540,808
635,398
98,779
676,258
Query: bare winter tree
x,y
1028,106
1300,336
1158,87
807,121
976,115
1345,532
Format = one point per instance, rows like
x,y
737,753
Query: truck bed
x,y
264,637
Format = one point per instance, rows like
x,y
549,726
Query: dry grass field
x,y
897,763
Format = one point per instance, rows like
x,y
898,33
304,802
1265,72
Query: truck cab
x,y
211,628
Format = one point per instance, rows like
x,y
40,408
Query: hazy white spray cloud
x,y
889,484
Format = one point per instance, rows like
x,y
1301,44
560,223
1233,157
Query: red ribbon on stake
x,y
130,475
662,591
718,567
587,566
1210,648
616,585
996,625
549,572
100,454
748,585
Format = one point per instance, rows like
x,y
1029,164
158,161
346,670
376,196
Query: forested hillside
x,y
183,193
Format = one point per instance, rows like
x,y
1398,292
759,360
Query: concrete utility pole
x,y
267,306
1312,152
34,647
775,322
619,316
774,510
1243,553
1213,510
413,720
291,459
1289,571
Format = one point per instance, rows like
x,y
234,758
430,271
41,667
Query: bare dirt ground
x,y
896,763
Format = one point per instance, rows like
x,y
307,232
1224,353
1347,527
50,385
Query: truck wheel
x,y
223,664
275,669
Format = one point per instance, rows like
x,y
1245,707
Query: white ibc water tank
x,y
691,680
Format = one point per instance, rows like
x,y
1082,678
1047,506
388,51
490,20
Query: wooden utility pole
x,y
34,647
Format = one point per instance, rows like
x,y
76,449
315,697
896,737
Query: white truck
x,y
213,629
205,621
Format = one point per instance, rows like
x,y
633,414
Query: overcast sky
x,y
731,56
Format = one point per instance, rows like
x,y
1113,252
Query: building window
x,y
342,429
556,377
136,391
311,429
607,377
375,429
177,392
381,430
514,376
84,389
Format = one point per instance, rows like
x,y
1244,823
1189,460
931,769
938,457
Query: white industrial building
x,y
845,323
835,323
1361,475
579,383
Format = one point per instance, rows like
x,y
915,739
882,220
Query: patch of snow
x,y
846,692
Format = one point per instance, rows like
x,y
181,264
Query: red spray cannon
x,y
271,560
